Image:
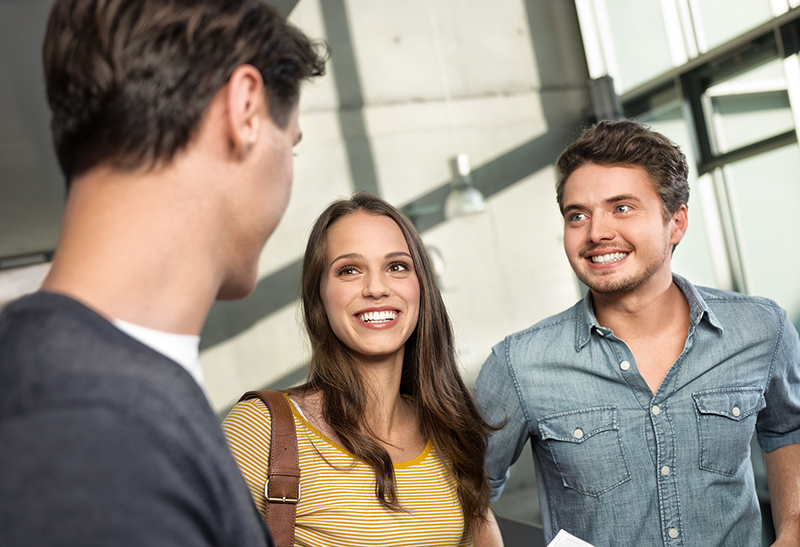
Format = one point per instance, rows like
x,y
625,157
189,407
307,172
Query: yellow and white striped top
x,y
338,506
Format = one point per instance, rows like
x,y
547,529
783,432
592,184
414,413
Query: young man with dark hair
x,y
641,400
174,123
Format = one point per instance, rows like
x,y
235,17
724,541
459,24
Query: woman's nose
x,y
375,286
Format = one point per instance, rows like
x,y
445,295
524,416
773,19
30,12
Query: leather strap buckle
x,y
282,499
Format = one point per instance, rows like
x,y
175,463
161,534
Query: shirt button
x,y
736,411
656,410
665,470
600,333
673,533
578,433
624,365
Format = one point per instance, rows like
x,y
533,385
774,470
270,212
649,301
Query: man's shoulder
x,y
554,325
734,313
721,296
44,320
554,334
112,422
54,350
726,301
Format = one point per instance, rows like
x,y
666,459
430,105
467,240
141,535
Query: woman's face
x,y
369,286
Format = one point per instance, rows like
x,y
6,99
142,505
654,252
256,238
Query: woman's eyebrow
x,y
398,253
347,256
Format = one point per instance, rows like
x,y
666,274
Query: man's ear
x,y
246,104
680,222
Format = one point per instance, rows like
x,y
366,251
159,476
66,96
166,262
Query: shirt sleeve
x,y
779,423
498,399
248,429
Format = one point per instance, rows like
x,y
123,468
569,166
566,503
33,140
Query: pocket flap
x,y
578,425
734,403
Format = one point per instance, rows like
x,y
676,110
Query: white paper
x,y
565,539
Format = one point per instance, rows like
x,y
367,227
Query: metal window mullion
x,y
698,124
716,135
718,247
592,43
731,228
765,145
693,27
788,40
607,40
677,39
720,228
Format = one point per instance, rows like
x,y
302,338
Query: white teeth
x,y
605,259
377,316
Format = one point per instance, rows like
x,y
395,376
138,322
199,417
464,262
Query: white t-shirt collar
x,y
184,349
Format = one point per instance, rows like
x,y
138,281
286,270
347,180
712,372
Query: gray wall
x,y
410,85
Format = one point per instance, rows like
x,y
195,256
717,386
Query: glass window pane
x,y
692,258
640,41
749,107
765,195
717,21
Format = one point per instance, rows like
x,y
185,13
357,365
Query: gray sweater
x,y
104,441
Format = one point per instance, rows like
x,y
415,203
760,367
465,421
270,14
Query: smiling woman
x,y
369,288
391,446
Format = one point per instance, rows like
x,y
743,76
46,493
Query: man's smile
x,y
608,258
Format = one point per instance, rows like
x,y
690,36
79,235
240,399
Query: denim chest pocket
x,y
586,448
726,419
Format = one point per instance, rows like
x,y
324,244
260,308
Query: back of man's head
x,y
128,81
630,144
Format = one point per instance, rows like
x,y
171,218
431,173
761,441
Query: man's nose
x,y
601,228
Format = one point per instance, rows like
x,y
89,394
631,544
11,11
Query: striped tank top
x,y
338,506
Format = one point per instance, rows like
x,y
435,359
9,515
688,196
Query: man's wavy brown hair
x,y
631,144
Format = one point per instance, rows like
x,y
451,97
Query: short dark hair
x,y
633,144
128,81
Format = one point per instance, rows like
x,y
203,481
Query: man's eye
x,y
622,208
577,217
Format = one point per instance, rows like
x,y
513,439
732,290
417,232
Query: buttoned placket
x,y
663,431
666,472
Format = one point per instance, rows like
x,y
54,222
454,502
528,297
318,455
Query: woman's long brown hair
x,y
430,373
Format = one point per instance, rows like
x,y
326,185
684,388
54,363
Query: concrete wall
x,y
410,85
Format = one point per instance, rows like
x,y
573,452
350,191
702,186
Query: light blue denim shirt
x,y
618,465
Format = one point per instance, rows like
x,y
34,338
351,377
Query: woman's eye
x,y
399,267
347,270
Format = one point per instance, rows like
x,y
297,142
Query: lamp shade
x,y
463,199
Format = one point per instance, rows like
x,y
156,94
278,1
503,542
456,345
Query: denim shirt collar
x,y
698,309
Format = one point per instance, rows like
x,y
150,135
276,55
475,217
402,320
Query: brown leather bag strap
x,y
282,489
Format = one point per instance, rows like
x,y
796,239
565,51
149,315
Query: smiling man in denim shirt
x,y
641,400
